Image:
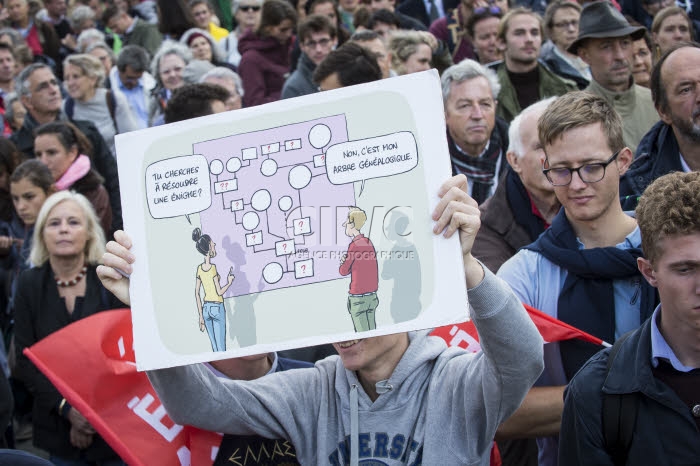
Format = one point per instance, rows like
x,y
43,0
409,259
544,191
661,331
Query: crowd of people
x,y
573,133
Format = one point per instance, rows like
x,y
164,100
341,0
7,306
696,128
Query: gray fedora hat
x,y
601,19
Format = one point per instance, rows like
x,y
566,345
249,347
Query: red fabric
x,y
119,402
465,335
361,263
33,41
536,212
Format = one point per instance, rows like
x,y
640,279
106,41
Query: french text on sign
x,y
178,186
225,186
376,157
254,239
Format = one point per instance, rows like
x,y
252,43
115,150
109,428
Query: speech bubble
x,y
377,157
178,186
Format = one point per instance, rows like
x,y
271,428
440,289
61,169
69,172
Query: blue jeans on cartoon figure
x,y
215,322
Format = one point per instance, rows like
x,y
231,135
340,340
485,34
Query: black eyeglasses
x,y
589,173
249,8
494,10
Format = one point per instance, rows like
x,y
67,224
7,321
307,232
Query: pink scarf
x,y
78,169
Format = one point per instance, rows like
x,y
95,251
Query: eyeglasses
x,y
589,173
249,8
566,24
311,44
494,10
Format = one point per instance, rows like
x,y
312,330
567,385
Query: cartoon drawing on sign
x,y
212,313
242,324
360,262
273,191
257,194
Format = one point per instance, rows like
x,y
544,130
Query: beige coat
x,y
634,106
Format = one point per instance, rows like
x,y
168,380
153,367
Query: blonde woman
x,y
83,76
62,287
411,51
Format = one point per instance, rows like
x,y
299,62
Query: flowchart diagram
x,y
268,191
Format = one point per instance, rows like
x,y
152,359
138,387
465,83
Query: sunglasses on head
x,y
249,8
494,10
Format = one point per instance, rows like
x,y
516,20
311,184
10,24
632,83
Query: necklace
x,y
73,282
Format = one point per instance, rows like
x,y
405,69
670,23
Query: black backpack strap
x,y
619,414
112,106
69,107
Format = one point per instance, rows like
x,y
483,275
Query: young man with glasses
x,y
658,365
317,37
583,269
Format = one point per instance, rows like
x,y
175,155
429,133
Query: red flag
x,y
465,335
118,401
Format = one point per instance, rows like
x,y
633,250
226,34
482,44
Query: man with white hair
x,y
230,81
477,139
524,204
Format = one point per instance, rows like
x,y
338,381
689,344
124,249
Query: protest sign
x,y
296,223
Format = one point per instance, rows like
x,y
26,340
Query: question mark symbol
x,y
301,224
253,236
303,268
284,246
323,157
199,193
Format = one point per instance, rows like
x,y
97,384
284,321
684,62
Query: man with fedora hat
x,y
605,43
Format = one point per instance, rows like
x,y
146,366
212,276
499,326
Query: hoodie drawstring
x,y
354,427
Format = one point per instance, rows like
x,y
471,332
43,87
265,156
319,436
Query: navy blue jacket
x,y
657,155
665,433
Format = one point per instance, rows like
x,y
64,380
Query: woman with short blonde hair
x,y
83,76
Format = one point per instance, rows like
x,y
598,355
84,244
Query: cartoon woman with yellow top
x,y
212,314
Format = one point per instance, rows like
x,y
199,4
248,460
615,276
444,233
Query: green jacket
x,y
550,85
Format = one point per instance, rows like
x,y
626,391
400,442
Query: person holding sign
x,y
400,399
212,313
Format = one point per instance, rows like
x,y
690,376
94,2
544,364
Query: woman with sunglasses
x,y
247,15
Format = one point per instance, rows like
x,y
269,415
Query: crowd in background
x,y
76,73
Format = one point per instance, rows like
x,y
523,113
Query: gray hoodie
x,y
441,406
